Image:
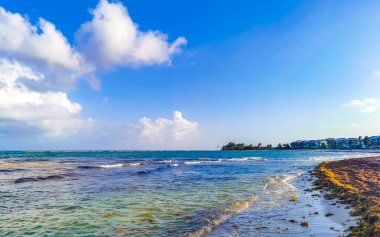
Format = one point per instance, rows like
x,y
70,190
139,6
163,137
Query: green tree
x,y
229,146
249,147
279,146
240,146
323,146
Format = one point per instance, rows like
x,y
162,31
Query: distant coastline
x,y
335,144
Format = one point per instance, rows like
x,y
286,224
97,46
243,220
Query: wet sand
x,y
285,217
355,182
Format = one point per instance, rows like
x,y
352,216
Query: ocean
x,y
157,193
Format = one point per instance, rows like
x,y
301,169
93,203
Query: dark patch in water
x,y
87,167
159,169
70,208
9,170
144,172
40,178
23,180
54,177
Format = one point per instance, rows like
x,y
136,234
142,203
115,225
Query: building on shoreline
x,y
372,142
375,141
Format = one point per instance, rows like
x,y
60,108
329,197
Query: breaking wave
x,y
211,161
109,166
243,159
280,183
341,157
235,208
173,163
202,162
277,189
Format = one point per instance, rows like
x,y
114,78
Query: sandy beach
x,y
355,182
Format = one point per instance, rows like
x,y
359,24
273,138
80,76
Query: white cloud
x,y
165,130
43,42
24,111
44,48
111,38
38,65
50,111
366,105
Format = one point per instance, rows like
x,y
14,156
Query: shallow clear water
x,y
167,193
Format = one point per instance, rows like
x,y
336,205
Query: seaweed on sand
x,y
355,182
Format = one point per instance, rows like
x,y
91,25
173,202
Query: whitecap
x,y
165,161
236,207
133,164
192,162
340,157
202,162
118,165
110,166
243,159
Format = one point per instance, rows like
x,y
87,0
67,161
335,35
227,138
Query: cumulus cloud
x,y
43,47
164,130
38,66
111,38
43,42
50,111
366,105
162,133
25,111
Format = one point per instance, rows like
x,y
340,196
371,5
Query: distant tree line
x,y
241,146
329,143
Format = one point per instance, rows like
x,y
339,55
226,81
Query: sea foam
x,y
236,207
111,166
118,165
243,159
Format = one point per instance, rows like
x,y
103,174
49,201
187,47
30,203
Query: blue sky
x,y
251,71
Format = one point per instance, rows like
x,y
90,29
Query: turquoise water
x,y
166,193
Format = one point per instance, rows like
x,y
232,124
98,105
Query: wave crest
x,y
110,166
235,208
243,159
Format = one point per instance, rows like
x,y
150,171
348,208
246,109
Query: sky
x,y
158,75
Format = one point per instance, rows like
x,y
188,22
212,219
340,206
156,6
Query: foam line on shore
x,y
235,208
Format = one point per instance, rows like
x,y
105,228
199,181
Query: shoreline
x,y
300,211
355,182
266,198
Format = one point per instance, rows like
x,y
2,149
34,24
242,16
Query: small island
x,y
241,146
